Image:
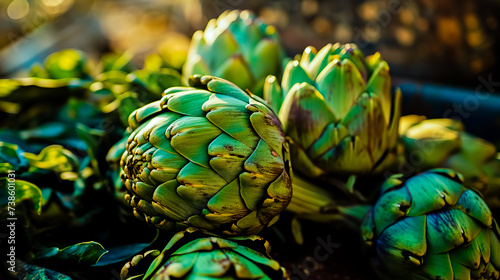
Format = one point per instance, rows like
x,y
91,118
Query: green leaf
x,y
54,158
35,272
125,252
128,104
93,138
67,64
115,62
81,111
156,81
12,158
85,253
121,253
30,90
20,190
45,131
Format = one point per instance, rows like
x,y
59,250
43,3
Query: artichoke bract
x,y
337,108
444,143
431,226
193,254
238,47
209,156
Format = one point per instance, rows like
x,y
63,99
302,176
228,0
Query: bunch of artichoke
x,y
431,226
336,107
432,143
209,156
209,162
238,47
195,254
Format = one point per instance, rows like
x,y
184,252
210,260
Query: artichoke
x,y
194,254
336,107
432,143
208,156
431,227
238,47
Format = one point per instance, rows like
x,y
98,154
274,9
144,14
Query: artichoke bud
x,y
444,143
238,47
209,156
431,226
338,111
198,254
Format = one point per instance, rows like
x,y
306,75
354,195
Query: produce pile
x,y
182,170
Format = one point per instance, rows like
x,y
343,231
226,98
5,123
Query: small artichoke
x,y
336,106
431,226
238,47
433,143
194,254
209,156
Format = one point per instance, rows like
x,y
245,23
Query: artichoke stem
x,y
313,203
308,198
347,188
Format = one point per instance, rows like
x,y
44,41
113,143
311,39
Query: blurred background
x,y
450,42
442,54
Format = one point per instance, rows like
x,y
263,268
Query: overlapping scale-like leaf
x,y
195,254
208,156
344,121
431,227
238,47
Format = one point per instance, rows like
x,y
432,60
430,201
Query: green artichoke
x,y
431,227
336,106
238,47
208,156
432,143
194,254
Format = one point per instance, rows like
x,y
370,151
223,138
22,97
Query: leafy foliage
x,y
57,127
